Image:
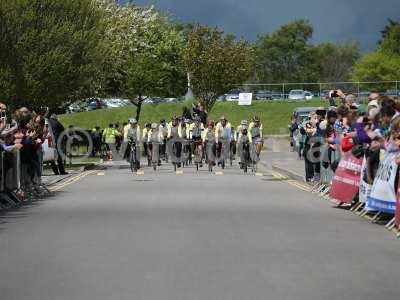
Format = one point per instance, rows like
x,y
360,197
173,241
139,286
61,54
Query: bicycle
x,y
154,154
210,154
176,154
198,154
133,161
255,152
232,152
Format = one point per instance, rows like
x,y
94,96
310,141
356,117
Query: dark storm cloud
x,y
333,20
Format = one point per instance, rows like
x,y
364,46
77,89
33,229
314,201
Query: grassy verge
x,y
275,115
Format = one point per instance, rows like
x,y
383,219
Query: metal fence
x,y
321,89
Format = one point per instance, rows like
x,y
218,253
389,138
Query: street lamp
x,y
189,94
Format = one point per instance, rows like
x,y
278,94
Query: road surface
x,y
112,235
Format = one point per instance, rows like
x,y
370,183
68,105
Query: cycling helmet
x,y
132,121
243,123
154,126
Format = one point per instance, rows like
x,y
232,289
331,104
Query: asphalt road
x,y
192,236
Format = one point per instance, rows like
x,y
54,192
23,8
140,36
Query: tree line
x,y
54,52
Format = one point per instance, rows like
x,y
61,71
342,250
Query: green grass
x,y
275,115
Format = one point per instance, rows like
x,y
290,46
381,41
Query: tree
x,y
156,70
50,51
286,55
377,66
387,29
391,43
336,61
144,54
216,62
383,64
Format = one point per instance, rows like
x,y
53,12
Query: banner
x,y
245,98
346,182
365,187
383,196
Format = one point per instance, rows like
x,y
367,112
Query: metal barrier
x,y
19,181
323,188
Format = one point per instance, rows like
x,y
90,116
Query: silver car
x,y
297,95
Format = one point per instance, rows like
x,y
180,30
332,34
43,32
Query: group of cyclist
x,y
186,141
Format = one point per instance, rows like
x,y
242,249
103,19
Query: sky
x,y
333,20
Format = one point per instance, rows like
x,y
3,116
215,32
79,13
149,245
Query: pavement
x,y
115,235
279,157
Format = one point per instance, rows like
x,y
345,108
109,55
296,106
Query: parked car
x,y
263,95
308,95
148,101
392,93
116,102
233,95
324,94
95,103
297,95
302,113
76,107
170,100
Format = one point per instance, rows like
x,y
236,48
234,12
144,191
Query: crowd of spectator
x,y
23,135
367,129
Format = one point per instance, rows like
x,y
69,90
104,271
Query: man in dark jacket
x,y
57,129
201,113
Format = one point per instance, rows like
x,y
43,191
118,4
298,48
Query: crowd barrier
x,y
18,185
342,181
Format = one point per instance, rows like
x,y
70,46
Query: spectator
x,y
57,129
186,114
96,138
201,113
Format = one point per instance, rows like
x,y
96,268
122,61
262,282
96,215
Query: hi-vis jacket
x,y
239,133
209,135
110,134
195,132
175,131
258,132
222,132
155,136
126,131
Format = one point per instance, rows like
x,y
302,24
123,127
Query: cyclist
x,y
256,136
154,140
145,135
164,135
175,134
209,140
195,135
132,135
186,124
243,125
110,135
223,134
241,136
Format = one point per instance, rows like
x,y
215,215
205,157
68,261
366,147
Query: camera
x,y
334,94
